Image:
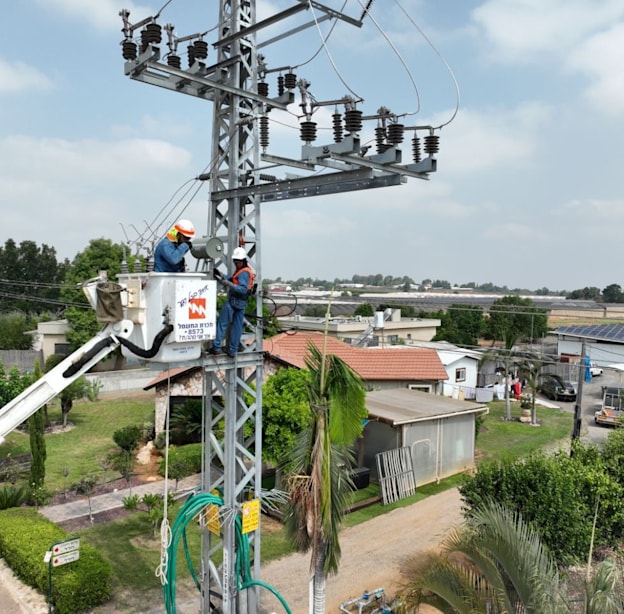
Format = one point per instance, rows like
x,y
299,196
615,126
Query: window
x,y
421,387
460,375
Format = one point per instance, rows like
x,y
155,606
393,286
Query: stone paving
x,y
114,500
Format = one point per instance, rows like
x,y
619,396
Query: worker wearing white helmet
x,y
171,249
232,314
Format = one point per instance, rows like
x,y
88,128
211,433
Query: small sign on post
x,y
60,553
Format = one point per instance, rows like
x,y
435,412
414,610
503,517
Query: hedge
x,y
190,455
25,537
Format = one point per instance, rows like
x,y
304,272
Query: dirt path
x,y
372,554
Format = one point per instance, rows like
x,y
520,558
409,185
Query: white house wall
x,y
602,354
463,389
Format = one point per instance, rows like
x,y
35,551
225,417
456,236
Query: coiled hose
x,y
191,508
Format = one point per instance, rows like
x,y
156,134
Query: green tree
x,y
461,325
613,294
364,309
30,277
99,255
12,383
285,412
558,494
512,318
497,562
36,429
13,328
586,293
319,482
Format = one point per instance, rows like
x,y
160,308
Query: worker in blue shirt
x,y
171,249
232,314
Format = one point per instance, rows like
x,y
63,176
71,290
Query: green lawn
x,y
499,438
128,543
91,438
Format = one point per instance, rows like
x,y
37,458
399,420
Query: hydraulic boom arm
x,y
56,380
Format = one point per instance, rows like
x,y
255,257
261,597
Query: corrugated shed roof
x,y
403,406
401,363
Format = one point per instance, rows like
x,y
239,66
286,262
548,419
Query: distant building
x,y
49,338
385,329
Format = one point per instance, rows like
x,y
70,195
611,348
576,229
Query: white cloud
x,y
483,140
600,57
64,193
525,30
19,77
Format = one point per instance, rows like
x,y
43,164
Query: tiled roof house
x,y
394,367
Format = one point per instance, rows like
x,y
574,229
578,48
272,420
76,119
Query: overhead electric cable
x,y
450,70
367,11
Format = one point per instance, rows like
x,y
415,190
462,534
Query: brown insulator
x,y
380,137
337,125
190,52
144,40
308,131
154,33
263,88
395,133
264,177
201,50
174,60
129,50
416,156
290,80
432,144
353,120
264,131
280,85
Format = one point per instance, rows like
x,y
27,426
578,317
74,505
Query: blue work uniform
x,y
169,256
232,313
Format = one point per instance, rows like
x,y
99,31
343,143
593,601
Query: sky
x,y
529,95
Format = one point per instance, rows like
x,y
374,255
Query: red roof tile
x,y
402,363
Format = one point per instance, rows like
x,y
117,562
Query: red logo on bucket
x,y
197,309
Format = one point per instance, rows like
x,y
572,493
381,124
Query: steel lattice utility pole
x,y
235,84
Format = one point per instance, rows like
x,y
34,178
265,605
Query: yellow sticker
x,y
251,515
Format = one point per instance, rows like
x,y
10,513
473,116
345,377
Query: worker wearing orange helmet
x,y
171,249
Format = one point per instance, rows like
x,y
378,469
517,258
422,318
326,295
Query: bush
x,y
12,496
187,457
25,536
128,437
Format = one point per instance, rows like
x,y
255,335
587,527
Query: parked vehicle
x,y
594,370
610,414
553,387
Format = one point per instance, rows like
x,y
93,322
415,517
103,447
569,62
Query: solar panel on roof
x,y
608,332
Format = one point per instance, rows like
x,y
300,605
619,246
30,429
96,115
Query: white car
x,y
595,371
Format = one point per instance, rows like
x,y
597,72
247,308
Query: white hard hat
x,y
185,227
239,254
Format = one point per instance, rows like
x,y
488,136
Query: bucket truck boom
x,y
160,317
55,381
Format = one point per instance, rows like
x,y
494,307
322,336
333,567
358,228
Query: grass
x,y
129,544
82,448
499,438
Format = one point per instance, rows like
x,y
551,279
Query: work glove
x,y
190,245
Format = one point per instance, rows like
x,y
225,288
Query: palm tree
x,y
318,481
531,368
496,564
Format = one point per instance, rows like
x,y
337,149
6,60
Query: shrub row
x,y
25,537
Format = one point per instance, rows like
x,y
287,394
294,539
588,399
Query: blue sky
x,y
529,189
